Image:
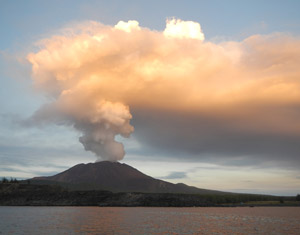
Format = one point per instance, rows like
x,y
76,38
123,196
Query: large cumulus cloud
x,y
183,93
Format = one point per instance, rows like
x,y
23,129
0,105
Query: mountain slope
x,y
115,177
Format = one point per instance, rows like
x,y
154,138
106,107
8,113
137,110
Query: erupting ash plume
x,y
94,74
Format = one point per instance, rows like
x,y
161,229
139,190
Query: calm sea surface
x,y
120,220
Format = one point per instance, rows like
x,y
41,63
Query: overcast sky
x,y
208,91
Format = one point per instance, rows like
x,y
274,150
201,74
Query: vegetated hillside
x,y
27,194
115,177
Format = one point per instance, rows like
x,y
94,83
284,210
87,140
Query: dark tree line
x,y
11,181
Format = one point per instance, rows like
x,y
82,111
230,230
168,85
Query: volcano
x,y
115,177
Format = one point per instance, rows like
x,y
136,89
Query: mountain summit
x,y
115,177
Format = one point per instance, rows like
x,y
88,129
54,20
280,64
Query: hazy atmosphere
x,y
206,93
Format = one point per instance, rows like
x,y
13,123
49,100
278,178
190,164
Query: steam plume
x,y
93,73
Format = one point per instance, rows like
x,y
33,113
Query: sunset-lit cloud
x,y
183,29
181,92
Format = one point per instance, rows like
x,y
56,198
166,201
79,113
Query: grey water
x,y
141,220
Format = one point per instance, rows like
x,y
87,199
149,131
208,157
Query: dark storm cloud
x,y
231,140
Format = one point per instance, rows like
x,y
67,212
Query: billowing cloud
x,y
183,29
128,26
185,94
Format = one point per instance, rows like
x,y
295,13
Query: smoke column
x,y
93,74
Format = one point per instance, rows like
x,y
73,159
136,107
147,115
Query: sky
x,y
201,92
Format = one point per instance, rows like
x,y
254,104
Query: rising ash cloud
x,y
175,91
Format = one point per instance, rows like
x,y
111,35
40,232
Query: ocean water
x,y
140,220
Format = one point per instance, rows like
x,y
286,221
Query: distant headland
x,y
115,184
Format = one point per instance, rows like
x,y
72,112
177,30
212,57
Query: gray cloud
x,y
229,141
175,175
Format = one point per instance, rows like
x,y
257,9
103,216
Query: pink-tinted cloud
x,y
199,96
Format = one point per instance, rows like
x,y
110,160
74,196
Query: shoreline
x,y
53,195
